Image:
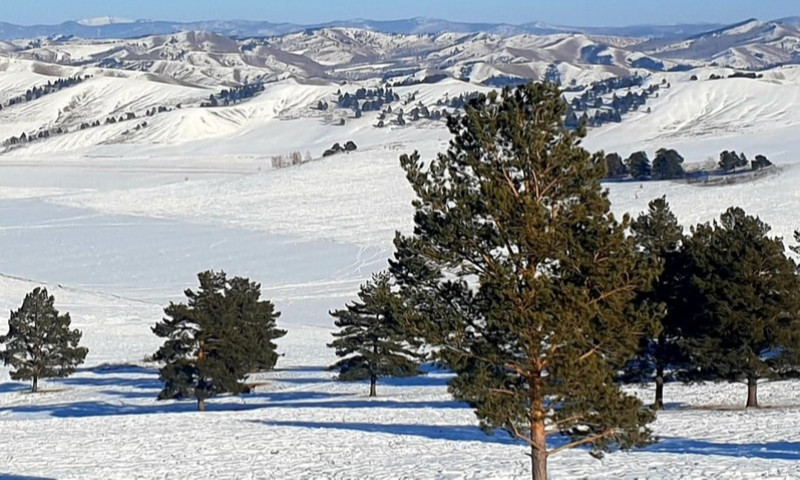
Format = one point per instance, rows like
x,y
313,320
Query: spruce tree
x,y
39,343
659,235
521,279
746,301
371,339
212,343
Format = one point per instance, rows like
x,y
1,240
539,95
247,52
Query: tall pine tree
x,y
746,301
39,343
522,279
212,343
659,235
371,339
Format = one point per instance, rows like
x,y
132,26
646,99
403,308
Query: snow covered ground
x,y
116,230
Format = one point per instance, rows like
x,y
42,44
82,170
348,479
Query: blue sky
x,y
565,12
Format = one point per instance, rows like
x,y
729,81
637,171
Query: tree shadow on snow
x,y
113,408
9,476
769,450
436,432
14,387
143,383
291,400
121,368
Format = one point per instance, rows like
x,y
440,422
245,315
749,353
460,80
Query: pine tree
x,y
659,235
667,165
212,343
615,168
522,279
39,343
760,162
371,338
730,161
257,319
639,166
746,301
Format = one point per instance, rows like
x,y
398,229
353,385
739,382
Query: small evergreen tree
x,y
39,343
371,339
212,343
639,166
659,236
760,162
614,166
521,280
730,161
746,301
667,165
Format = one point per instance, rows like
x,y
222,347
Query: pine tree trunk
x,y
201,404
35,386
752,393
539,453
538,437
659,403
372,382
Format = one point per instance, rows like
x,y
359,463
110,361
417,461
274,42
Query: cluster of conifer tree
x,y
48,88
366,99
727,300
111,120
232,96
668,164
608,110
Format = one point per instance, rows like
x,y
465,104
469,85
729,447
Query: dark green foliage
x,y
659,236
730,161
614,166
521,279
639,166
667,165
371,339
760,162
39,342
212,343
796,248
745,300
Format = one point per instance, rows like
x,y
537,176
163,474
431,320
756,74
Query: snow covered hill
x,y
151,91
749,45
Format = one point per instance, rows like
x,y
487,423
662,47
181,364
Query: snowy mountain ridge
x,y
102,21
109,27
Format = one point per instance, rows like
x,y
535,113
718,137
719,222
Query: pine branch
x,y
582,441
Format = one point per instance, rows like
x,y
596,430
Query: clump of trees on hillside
x,y
234,95
37,92
668,164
